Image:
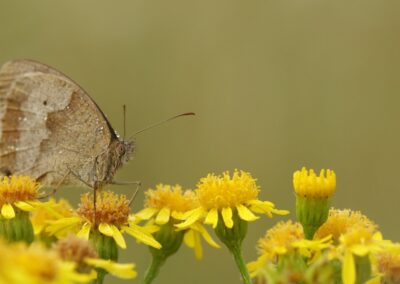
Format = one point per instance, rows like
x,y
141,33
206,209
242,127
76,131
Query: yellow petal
x,y
63,226
212,217
192,240
360,250
163,216
7,211
146,213
245,213
84,231
141,235
227,217
204,233
124,271
118,237
105,229
348,270
24,206
192,217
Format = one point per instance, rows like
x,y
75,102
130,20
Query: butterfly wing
x,y
50,128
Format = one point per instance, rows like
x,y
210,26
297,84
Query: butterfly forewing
x,y
50,128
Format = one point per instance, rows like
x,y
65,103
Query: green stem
x,y
153,270
237,255
100,277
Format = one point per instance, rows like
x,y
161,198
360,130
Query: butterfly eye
x,y
121,149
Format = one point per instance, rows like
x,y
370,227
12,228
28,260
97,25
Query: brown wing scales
x,y
48,124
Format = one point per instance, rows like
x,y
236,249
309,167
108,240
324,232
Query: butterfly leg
x,y
138,185
54,190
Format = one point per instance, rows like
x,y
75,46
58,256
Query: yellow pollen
x,y
172,197
18,188
279,238
308,184
222,191
111,208
340,221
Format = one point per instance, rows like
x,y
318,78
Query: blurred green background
x,y
275,84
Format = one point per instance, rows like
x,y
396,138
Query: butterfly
x,y
51,130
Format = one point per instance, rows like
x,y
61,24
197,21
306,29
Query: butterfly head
x,y
124,151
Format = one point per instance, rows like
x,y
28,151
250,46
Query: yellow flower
x,y
313,198
340,221
308,184
36,265
83,254
283,239
361,242
112,220
168,203
17,192
225,195
49,211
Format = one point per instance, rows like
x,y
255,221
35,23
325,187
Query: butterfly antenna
x,y
124,112
162,122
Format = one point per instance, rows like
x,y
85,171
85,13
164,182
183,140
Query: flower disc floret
x,y
224,191
308,184
171,197
111,208
341,221
18,188
279,239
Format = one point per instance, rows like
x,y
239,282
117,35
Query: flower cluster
x,y
54,242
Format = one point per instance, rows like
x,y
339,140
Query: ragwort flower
x,y
222,196
18,196
37,265
112,220
168,204
313,196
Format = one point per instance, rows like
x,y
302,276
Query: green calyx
x,y
106,248
234,236
171,241
18,228
311,213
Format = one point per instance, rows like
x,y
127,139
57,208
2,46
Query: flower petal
x,y
348,270
163,216
146,213
63,226
118,237
141,235
227,217
24,206
245,213
192,217
84,231
7,211
124,271
204,233
192,240
106,230
212,218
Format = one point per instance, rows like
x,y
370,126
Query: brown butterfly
x,y
51,130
